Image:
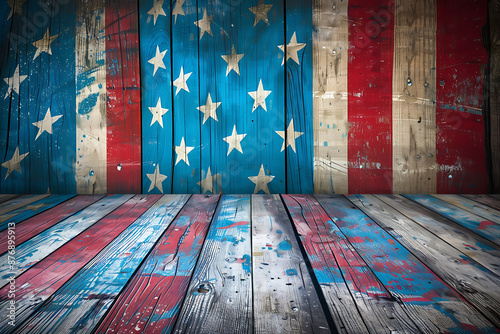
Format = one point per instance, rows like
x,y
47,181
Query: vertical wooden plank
x,y
39,247
42,280
91,133
285,300
19,202
84,299
157,144
123,108
476,224
474,246
461,61
358,302
431,303
494,96
370,74
224,267
299,136
33,226
414,90
472,207
152,299
330,53
484,199
472,281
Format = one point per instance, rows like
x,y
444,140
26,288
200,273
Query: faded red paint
x,y
485,224
233,225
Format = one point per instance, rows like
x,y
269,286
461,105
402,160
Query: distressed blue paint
x,y
299,95
157,144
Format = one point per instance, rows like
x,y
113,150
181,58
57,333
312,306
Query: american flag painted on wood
x,y
242,96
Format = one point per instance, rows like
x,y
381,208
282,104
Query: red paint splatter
x,y
484,224
357,240
353,226
233,225
391,242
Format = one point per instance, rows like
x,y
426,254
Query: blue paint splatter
x,y
285,245
291,272
246,264
88,104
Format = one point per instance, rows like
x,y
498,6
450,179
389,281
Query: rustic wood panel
x,y
474,246
494,90
285,300
484,199
414,90
40,246
357,300
431,303
83,300
91,133
224,266
5,198
475,283
42,280
476,224
472,207
330,53
123,108
16,203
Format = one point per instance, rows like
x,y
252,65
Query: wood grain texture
x,y
484,199
472,245
81,302
91,133
475,283
152,299
123,103
34,225
357,300
414,89
16,203
429,301
494,90
473,222
330,53
7,197
42,280
224,266
285,300
473,207
40,246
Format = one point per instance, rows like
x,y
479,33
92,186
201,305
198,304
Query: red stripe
x,y
461,59
123,102
371,49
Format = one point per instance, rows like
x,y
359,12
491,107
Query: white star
x,y
182,152
14,164
158,112
156,179
260,12
46,123
291,135
291,49
209,109
16,7
43,45
260,97
14,82
157,10
178,9
181,81
204,24
234,141
157,60
207,184
232,61
261,181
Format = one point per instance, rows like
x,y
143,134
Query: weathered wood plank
x,y
472,207
285,300
42,280
476,284
151,300
414,89
330,52
90,48
484,199
39,247
224,266
6,197
123,103
474,246
358,302
80,303
430,302
493,42
495,196
28,211
19,202
33,226
476,224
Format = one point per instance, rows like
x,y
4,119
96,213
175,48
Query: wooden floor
x,y
243,264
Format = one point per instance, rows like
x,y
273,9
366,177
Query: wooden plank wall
x,y
245,96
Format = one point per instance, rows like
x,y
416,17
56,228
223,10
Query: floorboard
x,y
473,207
484,199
